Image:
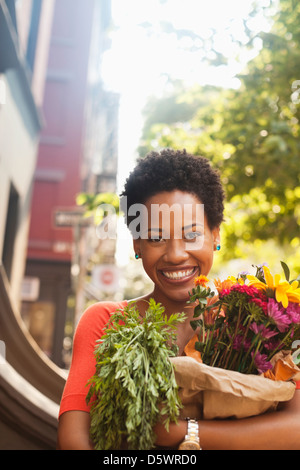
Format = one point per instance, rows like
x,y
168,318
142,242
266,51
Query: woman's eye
x,y
155,239
192,235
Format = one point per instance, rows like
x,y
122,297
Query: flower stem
x,y
253,357
272,354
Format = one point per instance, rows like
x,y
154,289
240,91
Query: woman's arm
x,y
73,431
278,430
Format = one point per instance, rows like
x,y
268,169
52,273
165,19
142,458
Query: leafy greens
x,y
134,385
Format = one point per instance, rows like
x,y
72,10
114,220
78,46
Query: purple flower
x,y
261,362
278,315
262,330
240,341
273,344
293,312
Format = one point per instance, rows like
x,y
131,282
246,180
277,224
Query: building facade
x,y
46,52
27,406
77,151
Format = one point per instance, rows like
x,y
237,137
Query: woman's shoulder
x,y
105,306
97,315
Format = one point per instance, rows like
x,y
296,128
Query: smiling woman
x,y
176,254
173,255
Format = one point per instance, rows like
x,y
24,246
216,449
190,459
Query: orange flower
x,y
226,284
284,368
201,280
190,349
210,314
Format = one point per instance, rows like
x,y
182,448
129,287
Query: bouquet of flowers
x,y
246,335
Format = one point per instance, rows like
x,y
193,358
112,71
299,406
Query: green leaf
x,y
286,270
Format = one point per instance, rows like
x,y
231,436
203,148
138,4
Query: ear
x,y
137,246
216,237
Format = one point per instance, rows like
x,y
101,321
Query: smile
x,y
180,274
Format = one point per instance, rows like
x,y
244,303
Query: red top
x,y
90,329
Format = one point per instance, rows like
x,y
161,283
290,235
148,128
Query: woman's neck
x,y
184,330
170,306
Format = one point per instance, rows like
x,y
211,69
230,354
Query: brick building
x,y
75,153
47,48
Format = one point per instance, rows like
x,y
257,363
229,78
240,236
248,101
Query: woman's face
x,y
176,243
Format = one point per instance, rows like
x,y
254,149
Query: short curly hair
x,y
170,170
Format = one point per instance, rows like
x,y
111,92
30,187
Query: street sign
x,y
105,277
71,218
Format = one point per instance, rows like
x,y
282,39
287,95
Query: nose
x,y
175,252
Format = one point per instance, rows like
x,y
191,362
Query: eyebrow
x,y
155,229
197,224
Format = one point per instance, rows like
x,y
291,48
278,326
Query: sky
x,y
145,50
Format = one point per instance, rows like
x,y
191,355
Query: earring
x,y
218,247
137,256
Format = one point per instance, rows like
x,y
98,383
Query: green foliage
x,y
98,205
252,136
134,384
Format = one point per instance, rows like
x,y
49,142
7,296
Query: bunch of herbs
x,y
134,385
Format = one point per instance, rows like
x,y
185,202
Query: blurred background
x,y
87,86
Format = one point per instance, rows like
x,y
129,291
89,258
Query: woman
x,y
176,241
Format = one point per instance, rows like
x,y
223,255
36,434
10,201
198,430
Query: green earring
x,y
218,247
137,256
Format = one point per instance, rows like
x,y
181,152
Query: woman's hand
x,y
277,430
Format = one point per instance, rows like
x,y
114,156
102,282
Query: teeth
x,y
177,274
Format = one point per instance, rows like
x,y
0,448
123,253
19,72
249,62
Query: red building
x,y
58,178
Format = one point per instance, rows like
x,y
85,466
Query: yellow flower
x,y
294,292
236,280
284,291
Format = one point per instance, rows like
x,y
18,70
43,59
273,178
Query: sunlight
x,y
161,39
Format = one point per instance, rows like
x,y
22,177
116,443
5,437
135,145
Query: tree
x,y
252,135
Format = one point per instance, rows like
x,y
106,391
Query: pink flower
x,y
261,362
273,344
224,292
293,311
249,290
278,315
262,330
240,341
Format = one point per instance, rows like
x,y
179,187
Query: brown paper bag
x,y
210,392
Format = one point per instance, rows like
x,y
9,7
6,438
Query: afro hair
x,y
170,170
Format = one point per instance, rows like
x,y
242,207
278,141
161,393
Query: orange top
x,y
89,329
